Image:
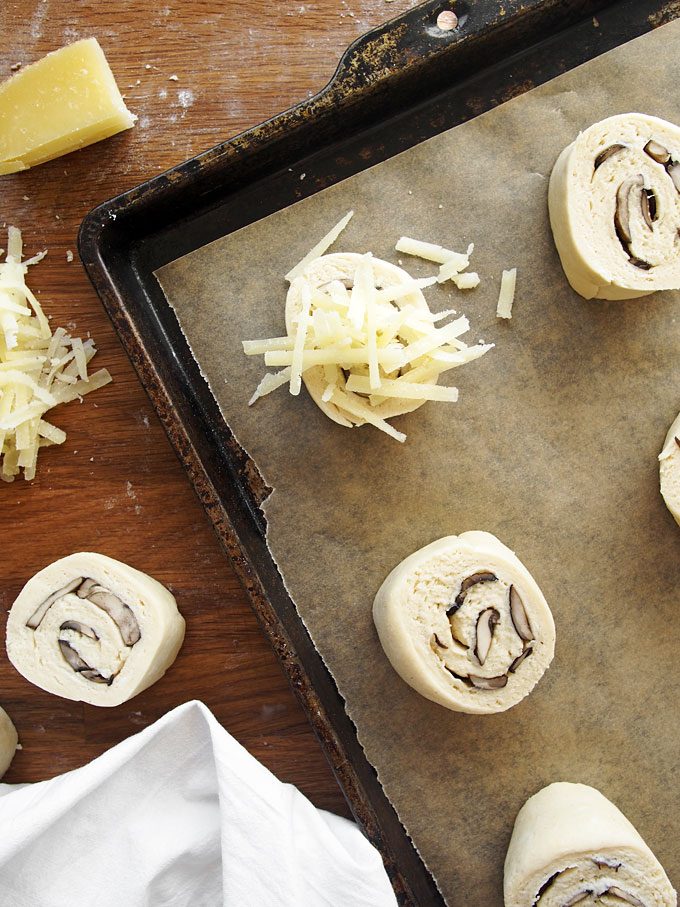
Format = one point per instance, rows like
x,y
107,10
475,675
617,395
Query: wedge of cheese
x,y
90,628
63,102
571,845
463,622
9,740
614,203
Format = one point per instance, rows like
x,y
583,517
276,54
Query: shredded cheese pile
x,y
38,369
372,349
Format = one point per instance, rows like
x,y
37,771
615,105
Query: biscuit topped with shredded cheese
x,y
361,337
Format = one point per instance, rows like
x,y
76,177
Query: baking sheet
x,y
552,447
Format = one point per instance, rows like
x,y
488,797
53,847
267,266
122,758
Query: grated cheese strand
x,y
38,369
322,246
506,296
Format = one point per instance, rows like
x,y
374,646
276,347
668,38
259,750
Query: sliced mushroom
x,y
518,615
622,214
120,613
607,153
648,205
34,620
486,625
626,896
79,628
544,887
657,152
438,642
577,898
489,683
483,576
80,666
84,589
520,658
72,657
673,170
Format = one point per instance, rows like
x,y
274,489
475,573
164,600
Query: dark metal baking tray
x,y
394,87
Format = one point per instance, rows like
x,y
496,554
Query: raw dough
x,y
570,845
9,740
669,469
90,628
341,266
445,621
614,206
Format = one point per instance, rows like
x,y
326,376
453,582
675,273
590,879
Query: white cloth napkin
x,y
180,814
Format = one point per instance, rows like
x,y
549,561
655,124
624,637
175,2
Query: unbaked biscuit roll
x,y
90,628
669,469
9,740
614,203
336,272
570,845
465,624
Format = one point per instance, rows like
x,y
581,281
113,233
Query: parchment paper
x,y
552,447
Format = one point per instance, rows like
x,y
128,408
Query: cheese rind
x,y
73,643
65,101
571,845
432,613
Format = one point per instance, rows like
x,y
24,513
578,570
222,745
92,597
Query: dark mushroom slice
x,y
607,153
649,206
673,170
520,658
80,666
84,589
518,615
34,620
622,213
437,641
489,683
461,677
625,896
657,152
83,629
622,217
544,887
486,625
483,576
119,612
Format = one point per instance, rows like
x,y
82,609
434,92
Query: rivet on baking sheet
x,y
447,20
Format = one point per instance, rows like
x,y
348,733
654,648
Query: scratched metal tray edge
x,y
105,244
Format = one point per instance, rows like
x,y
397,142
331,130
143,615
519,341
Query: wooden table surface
x,y
195,72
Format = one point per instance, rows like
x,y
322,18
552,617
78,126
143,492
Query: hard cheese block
x,y
63,102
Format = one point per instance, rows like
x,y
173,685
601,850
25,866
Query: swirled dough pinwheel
x,y
463,622
91,628
614,203
669,469
9,740
570,845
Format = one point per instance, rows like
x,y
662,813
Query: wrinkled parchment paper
x,y
552,447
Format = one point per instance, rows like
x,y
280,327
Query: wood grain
x,y
115,485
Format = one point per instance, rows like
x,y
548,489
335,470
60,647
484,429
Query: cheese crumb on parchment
x,y
370,347
38,369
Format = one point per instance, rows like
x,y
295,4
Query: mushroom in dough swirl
x,y
463,622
